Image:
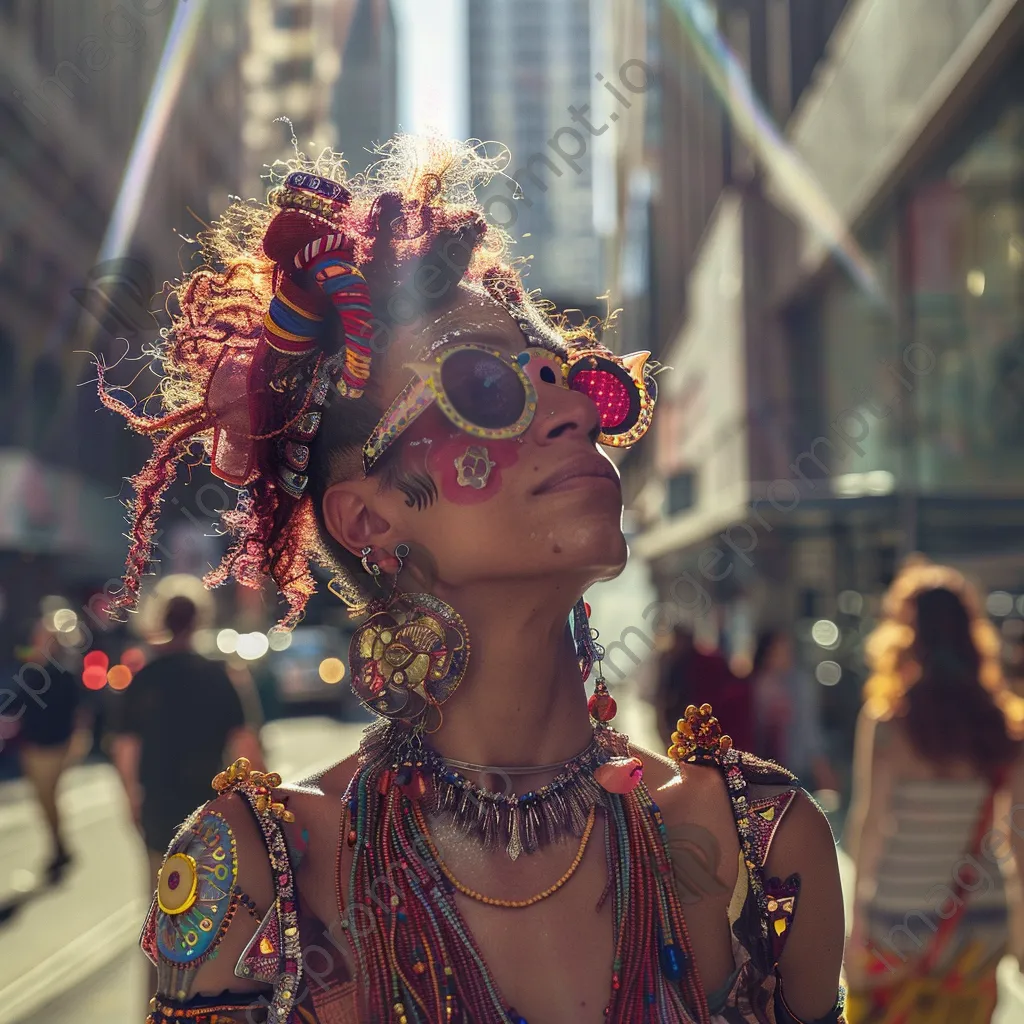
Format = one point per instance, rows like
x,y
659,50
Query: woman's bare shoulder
x,y
686,793
316,801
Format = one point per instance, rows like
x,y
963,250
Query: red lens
x,y
608,392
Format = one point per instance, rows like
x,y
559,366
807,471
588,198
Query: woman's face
x,y
547,503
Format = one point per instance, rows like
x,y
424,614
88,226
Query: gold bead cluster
x,y
698,737
240,775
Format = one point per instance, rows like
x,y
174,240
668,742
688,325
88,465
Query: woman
x,y
785,703
937,750
362,359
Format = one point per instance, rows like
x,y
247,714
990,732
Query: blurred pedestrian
x,y
174,726
689,675
47,709
787,719
938,744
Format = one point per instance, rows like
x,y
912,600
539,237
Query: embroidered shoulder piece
x,y
699,740
198,896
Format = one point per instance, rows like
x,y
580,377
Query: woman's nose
x,y
561,411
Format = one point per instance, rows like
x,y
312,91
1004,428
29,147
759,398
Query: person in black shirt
x,y
175,726
46,708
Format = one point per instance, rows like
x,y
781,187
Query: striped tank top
x,y
929,830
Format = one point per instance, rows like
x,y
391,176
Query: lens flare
x,y
787,171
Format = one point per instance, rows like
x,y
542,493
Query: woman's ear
x,y
351,519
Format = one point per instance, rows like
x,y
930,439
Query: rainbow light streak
x,y
174,61
755,126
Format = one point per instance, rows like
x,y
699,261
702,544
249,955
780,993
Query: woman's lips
x,y
590,471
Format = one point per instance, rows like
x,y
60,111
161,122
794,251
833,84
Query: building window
x,y
863,407
963,226
294,16
297,69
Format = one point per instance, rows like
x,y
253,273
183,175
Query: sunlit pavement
x,y
70,954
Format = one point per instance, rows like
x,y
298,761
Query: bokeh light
x,y
96,659
850,602
74,638
252,646
119,677
332,670
999,603
64,620
227,641
280,639
825,633
134,658
94,677
828,673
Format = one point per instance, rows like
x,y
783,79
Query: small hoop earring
x,y
371,567
401,553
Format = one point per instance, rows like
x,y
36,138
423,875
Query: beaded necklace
x,y
418,960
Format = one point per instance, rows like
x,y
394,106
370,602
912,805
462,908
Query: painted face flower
x,y
474,467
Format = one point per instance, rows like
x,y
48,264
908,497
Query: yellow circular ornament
x,y
178,884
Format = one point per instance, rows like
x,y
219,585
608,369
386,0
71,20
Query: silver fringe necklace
x,y
517,823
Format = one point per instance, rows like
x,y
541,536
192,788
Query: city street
x,y
70,954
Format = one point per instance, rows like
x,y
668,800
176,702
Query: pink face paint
x,y
459,454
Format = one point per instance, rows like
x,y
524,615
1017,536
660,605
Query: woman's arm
x,y
812,959
873,776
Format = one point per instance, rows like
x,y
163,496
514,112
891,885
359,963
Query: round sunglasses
x,y
488,394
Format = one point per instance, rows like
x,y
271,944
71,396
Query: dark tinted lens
x,y
610,392
483,389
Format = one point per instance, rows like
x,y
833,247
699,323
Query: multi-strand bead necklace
x,y
418,961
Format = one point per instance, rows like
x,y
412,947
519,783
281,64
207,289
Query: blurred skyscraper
x,y
365,100
330,68
290,72
529,63
75,84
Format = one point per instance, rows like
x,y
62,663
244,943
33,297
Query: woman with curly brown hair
x,y
938,753
361,359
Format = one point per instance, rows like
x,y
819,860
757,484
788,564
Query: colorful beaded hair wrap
x,y
278,323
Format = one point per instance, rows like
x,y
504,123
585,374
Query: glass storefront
x,y
964,237
936,369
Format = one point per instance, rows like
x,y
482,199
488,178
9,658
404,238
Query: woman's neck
x,y
522,701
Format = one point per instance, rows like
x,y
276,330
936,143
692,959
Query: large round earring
x,y
409,656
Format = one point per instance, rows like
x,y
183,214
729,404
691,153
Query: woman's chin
x,y
607,557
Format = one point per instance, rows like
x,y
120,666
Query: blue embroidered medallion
x,y
196,890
